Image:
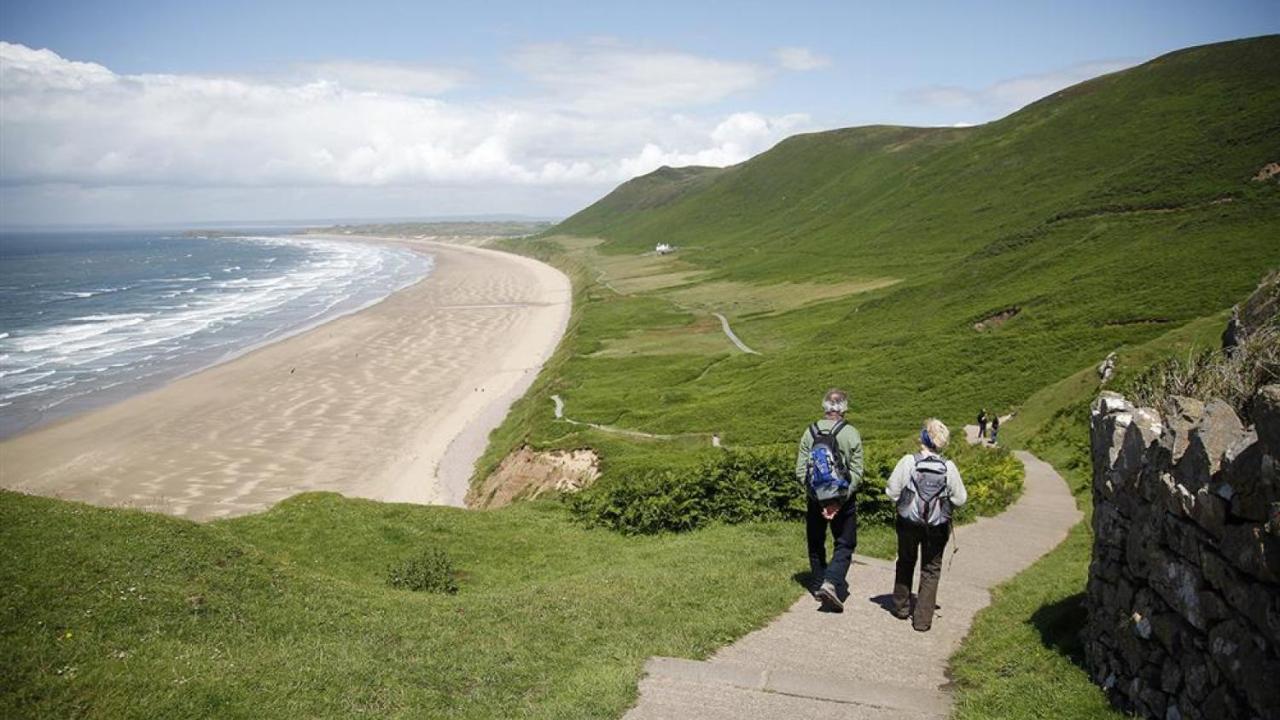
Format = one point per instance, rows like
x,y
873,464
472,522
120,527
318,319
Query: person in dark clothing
x,y
995,427
840,515
924,543
982,423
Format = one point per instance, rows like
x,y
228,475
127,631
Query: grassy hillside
x,y
1100,218
286,614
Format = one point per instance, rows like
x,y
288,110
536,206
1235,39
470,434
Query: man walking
x,y
829,465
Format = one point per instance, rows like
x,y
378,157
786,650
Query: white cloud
x,y
399,78
799,58
604,76
1010,94
83,125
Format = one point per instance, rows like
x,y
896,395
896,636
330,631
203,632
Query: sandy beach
x,y
394,402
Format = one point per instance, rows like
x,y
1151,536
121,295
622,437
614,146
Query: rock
x,y
1209,512
1218,429
1179,583
1170,676
1109,527
1251,477
1141,626
1183,417
1250,549
1196,676
1264,408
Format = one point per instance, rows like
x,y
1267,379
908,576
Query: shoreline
x,y
394,401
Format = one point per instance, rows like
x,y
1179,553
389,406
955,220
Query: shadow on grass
x,y
1060,624
805,579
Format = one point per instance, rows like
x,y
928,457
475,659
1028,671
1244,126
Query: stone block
x,y
1184,415
1255,552
1264,408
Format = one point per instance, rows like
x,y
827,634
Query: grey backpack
x,y
925,501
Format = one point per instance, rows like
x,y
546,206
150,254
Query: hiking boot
x,y
920,628
829,598
903,614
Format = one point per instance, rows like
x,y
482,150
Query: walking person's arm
x,y
855,458
955,485
802,457
898,479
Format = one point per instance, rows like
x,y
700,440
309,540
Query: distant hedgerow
x,y
429,571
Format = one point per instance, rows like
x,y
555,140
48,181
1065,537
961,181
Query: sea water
x,y
91,318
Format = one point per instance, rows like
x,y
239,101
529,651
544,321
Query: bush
x,y
992,476
429,571
741,486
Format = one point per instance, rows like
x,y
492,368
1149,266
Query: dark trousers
x,y
927,544
982,429
844,530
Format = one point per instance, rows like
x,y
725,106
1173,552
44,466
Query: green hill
x,y
929,270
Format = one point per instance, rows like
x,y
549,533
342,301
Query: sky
x,y
137,113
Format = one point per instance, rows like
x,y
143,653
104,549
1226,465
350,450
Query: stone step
x,y
873,699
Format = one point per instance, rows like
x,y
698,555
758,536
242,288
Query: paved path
x,y
971,431
865,663
724,323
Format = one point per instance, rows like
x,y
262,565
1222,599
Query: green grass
x,y
119,614
1109,214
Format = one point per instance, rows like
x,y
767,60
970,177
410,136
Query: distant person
x,y
829,465
982,423
995,427
926,487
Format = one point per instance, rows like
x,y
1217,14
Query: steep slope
x,y
931,270
1183,130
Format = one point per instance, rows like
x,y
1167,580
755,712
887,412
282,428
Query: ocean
x,y
89,318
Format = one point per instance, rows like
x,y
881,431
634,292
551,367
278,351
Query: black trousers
x,y
844,531
927,545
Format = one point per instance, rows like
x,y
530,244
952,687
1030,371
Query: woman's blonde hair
x,y
937,432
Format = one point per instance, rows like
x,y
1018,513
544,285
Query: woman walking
x,y
926,487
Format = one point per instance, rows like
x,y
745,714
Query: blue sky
x,y
164,112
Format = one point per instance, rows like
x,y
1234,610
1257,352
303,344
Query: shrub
x,y
992,476
742,486
429,571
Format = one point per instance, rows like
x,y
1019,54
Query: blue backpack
x,y
826,477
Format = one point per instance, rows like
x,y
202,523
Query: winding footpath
x,y
865,663
728,331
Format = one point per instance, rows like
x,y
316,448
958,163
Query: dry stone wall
x,y
1184,588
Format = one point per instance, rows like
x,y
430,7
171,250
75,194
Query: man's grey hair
x,y
836,400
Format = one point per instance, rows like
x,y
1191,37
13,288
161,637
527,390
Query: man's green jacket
x,y
848,444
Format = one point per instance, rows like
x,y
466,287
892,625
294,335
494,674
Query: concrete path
x,y
728,331
971,431
865,663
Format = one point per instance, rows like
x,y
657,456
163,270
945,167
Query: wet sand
x,y
394,402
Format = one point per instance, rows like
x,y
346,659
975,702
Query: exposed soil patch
x,y
1267,172
995,320
525,474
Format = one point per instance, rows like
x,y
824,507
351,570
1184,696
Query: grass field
x,y
118,614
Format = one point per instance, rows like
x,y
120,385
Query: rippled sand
x,y
394,403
